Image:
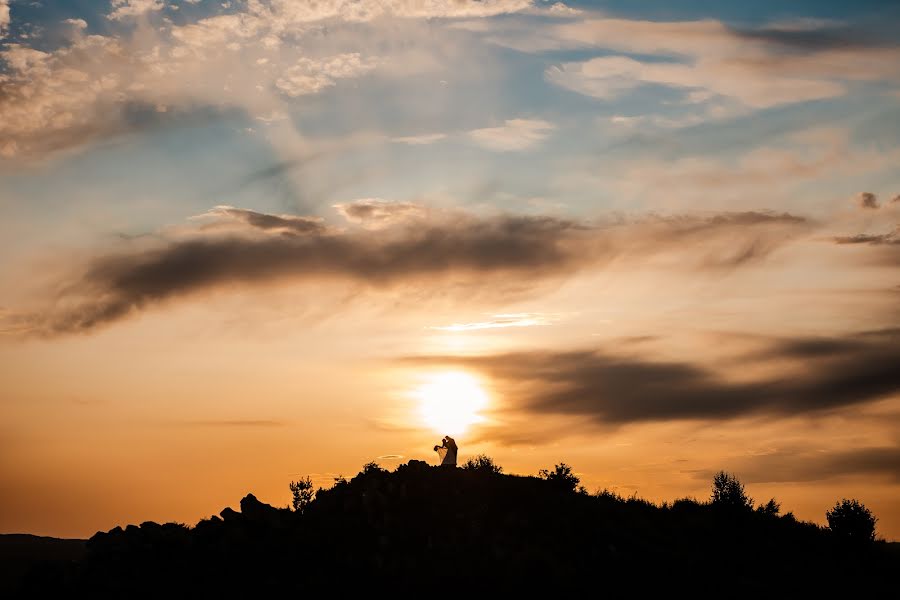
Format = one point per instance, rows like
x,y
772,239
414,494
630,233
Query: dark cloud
x,y
246,247
266,222
804,466
611,388
867,200
885,249
867,238
818,38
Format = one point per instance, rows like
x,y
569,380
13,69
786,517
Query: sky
x,y
244,242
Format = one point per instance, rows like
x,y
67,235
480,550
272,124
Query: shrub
x,y
727,490
483,463
303,493
851,520
562,477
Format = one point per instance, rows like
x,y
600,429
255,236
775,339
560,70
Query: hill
x,y
21,554
426,530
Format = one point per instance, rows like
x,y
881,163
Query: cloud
x,y
804,466
874,239
513,135
124,9
610,388
398,243
758,68
561,9
778,169
288,224
375,213
241,423
290,12
4,17
867,200
501,322
258,58
419,140
310,76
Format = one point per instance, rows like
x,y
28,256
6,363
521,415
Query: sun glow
x,y
449,402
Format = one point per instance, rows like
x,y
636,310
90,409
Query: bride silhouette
x,y
447,451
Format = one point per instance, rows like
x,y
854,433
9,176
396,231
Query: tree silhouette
x,y
772,507
372,467
562,477
727,490
484,463
302,494
852,521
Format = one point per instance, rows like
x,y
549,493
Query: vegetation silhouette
x,y
728,491
417,527
852,521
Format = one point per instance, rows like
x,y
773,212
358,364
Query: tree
x,y
302,494
772,507
852,521
372,467
562,477
727,490
482,463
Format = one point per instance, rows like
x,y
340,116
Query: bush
x,y
727,490
303,493
852,521
483,463
562,477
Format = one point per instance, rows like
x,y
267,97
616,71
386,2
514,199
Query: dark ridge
x,y
22,553
429,530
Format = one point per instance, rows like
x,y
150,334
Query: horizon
x,y
252,240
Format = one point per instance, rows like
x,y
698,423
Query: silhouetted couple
x,y
447,451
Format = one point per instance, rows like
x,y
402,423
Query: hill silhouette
x,y
425,530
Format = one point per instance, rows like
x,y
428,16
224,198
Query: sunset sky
x,y
252,240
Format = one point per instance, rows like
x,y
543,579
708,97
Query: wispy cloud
x,y
751,67
420,140
4,17
249,423
513,136
804,465
502,321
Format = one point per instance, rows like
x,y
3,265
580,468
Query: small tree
x,y
851,520
727,490
772,507
302,494
562,477
372,467
483,463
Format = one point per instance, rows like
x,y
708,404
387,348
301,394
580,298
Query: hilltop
x,y
419,527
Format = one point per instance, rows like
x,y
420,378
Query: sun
x,y
450,401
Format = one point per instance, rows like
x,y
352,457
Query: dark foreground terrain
x,y
424,530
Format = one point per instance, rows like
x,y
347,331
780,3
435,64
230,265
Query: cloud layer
x,y
392,243
794,62
614,387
